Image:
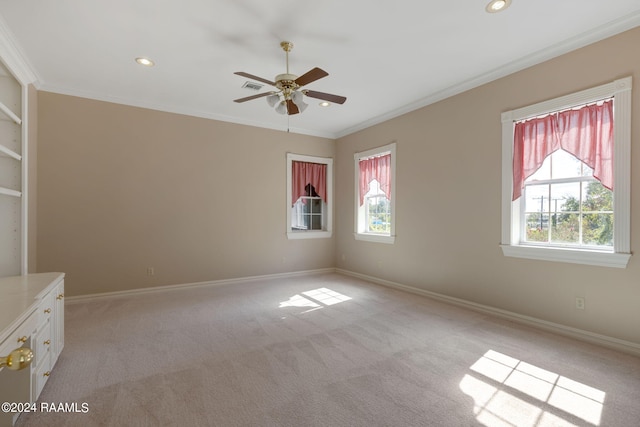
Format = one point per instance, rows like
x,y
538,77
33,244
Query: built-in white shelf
x,y
10,113
8,152
13,173
10,192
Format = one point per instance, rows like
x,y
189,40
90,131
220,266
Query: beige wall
x,y
121,189
448,201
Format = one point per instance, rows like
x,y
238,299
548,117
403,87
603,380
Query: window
x,y
566,178
375,194
564,205
309,196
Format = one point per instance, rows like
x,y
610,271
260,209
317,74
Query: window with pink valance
x,y
304,174
586,133
378,168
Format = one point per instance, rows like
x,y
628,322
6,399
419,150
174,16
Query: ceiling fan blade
x,y
336,99
249,98
251,76
292,108
311,76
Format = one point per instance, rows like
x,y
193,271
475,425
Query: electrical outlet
x,y
150,271
579,303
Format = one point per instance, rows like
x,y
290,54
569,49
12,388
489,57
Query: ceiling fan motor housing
x,y
286,80
287,84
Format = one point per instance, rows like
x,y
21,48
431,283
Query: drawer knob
x,y
48,310
60,296
22,339
18,359
47,342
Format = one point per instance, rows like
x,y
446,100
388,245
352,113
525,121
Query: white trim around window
x,y
359,222
327,221
510,239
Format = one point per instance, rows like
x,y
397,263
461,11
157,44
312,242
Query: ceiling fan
x,y
288,99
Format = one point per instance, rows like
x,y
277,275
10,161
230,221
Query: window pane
x,y
537,227
537,198
586,170
297,215
378,214
565,228
597,198
543,173
597,229
315,205
316,222
565,197
565,165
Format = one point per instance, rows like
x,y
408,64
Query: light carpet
x,y
325,350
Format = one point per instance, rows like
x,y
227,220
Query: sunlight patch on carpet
x,y
298,301
326,296
504,378
315,299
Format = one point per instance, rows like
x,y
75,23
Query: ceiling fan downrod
x,y
287,47
286,82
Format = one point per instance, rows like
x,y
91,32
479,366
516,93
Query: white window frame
x,y
328,217
359,216
511,245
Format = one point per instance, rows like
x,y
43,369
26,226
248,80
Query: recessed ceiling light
x,y
145,61
324,104
497,5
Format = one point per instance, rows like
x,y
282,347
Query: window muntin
x,y
511,244
375,210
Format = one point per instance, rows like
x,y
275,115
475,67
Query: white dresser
x,y
32,316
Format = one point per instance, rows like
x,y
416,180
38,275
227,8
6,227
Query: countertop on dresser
x,y
19,297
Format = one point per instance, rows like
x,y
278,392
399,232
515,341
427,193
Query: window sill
x,y
297,235
602,259
377,238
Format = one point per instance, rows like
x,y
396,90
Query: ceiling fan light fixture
x,y
495,6
298,99
301,105
282,108
324,104
273,99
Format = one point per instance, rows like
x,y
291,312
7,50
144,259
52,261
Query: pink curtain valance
x,y
587,133
378,168
305,173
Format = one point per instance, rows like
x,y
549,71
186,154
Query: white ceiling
x,y
387,58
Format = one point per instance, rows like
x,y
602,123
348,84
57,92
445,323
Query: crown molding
x,y
282,127
14,59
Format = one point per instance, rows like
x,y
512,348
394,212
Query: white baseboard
x,y
166,288
582,335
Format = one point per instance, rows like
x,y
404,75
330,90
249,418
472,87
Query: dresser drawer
x,y
42,341
46,309
22,336
41,374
